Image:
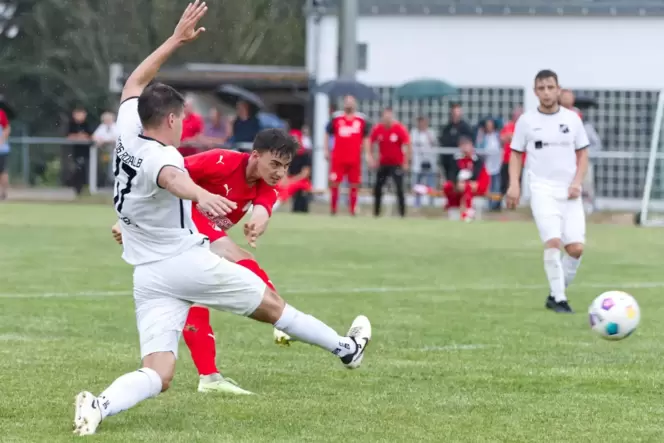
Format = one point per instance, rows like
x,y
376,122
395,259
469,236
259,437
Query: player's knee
x,y
163,363
553,243
574,250
270,309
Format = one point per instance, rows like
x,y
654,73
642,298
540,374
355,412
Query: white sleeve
x,y
98,131
519,137
580,135
128,122
154,163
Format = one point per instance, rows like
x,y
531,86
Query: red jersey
x,y
192,125
390,141
507,150
4,121
224,173
349,133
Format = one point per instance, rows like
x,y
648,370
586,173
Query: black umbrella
x,y
9,111
340,88
231,94
585,102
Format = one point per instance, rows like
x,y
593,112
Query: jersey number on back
x,y
119,194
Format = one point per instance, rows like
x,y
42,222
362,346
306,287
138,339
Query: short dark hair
x,y
455,105
276,141
546,73
465,139
158,101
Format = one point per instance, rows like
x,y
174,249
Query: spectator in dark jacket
x,y
449,137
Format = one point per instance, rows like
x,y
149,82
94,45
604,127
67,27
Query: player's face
x,y
567,99
388,117
271,167
547,91
349,104
175,126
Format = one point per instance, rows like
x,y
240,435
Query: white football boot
x,y
360,333
88,414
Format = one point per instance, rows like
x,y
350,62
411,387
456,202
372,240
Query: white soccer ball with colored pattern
x,y
614,315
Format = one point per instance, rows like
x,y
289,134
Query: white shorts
x,y
558,217
164,291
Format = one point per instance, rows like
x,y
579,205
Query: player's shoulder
x,y
570,114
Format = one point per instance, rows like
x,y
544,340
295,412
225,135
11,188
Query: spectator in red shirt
x,y
6,129
506,139
467,178
350,130
192,129
391,137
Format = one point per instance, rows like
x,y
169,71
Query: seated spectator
x,y
467,178
491,151
192,129
298,182
216,131
245,126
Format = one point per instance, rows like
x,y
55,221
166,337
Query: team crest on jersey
x,y
564,128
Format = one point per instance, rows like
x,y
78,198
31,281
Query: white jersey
x,y
551,141
155,224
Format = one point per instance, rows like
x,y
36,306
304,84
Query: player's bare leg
x,y
555,274
571,261
303,327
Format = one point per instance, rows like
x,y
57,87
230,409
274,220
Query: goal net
x,y
652,205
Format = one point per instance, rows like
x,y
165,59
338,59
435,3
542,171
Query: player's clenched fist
x,y
574,191
513,195
214,205
117,233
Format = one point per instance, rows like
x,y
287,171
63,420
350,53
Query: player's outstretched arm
x,y
178,183
185,31
257,224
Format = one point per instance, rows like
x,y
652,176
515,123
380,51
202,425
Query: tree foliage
x,y
62,54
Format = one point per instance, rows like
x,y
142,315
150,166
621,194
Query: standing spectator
x,y
423,139
192,129
589,180
391,137
506,138
4,154
449,137
216,130
488,146
105,137
246,125
467,178
80,130
350,130
303,137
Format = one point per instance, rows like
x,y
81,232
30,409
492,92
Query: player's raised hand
x,y
214,205
574,191
186,30
513,195
117,233
251,233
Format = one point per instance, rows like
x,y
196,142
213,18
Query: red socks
x,y
199,337
334,199
352,197
253,266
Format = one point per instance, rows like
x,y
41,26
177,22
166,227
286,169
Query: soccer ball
x,y
614,315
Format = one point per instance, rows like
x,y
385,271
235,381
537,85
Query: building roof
x,y
579,8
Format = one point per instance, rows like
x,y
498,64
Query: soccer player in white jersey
x,y
173,265
556,143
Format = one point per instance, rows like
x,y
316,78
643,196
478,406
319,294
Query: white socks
x,y
570,266
310,330
554,273
129,390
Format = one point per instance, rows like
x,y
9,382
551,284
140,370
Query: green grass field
x,y
463,349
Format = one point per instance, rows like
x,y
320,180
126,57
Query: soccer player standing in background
x,y
391,137
350,130
556,142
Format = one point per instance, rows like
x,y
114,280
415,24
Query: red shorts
x,y
207,227
351,171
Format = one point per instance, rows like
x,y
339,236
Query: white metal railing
x,y
620,175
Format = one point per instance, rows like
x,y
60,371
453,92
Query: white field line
x,y
363,290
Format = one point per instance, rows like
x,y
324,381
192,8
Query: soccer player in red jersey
x,y
391,137
192,129
248,179
467,178
350,130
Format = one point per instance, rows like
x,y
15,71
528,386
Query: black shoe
x,y
560,307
